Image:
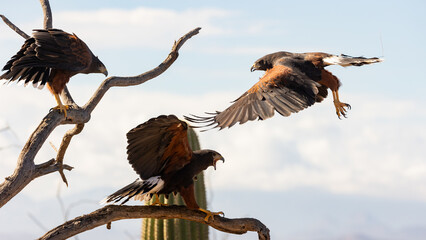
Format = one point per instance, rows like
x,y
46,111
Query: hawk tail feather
x,y
140,189
345,60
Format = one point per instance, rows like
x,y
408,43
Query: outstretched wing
x,y
47,50
159,146
288,87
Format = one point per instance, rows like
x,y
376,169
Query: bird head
x,y
100,67
260,64
205,158
268,61
217,157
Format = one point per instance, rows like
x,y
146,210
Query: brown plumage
x,y
159,152
291,83
52,56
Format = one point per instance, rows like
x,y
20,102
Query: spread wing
x,y
288,87
47,50
159,146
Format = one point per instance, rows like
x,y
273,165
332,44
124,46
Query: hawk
x,y
52,57
291,83
159,152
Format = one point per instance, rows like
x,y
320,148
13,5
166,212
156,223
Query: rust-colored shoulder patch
x,y
271,78
178,152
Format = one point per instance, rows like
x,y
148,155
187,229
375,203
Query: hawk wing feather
x,y
158,146
284,88
47,50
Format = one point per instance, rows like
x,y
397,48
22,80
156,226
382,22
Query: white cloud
x,y
140,27
152,28
378,150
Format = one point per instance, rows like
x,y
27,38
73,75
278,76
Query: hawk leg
x,y
341,108
60,107
210,214
157,201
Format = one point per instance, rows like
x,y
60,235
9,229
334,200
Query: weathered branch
x,y
49,167
139,79
67,98
14,28
112,213
48,21
64,146
25,170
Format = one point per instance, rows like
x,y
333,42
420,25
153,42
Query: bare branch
x,y
49,167
47,12
66,96
139,79
24,172
63,148
14,28
112,213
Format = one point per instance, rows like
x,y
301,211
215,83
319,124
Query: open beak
x,y
219,157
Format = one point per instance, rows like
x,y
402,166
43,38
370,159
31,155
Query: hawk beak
x,y
103,70
217,159
253,68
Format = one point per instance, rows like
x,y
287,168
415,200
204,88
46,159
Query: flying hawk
x,y
52,56
291,83
159,152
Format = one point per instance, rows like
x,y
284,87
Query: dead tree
x,y
26,170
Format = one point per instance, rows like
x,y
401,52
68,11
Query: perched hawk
x,y
52,56
159,152
292,82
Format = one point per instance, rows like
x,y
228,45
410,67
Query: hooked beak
x,y
103,70
253,68
219,157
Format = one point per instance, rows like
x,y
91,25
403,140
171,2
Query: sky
x,y
308,176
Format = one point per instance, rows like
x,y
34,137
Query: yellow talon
x,y
157,201
210,214
341,108
61,107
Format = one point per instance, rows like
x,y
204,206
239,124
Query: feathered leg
x,y
60,107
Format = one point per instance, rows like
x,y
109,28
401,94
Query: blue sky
x,y
357,178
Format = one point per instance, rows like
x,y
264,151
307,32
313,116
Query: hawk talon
x,y
210,214
61,108
157,201
341,108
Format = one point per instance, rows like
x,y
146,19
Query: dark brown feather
x,y
51,56
284,88
158,146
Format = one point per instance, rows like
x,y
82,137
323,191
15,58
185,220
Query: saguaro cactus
x,y
179,229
